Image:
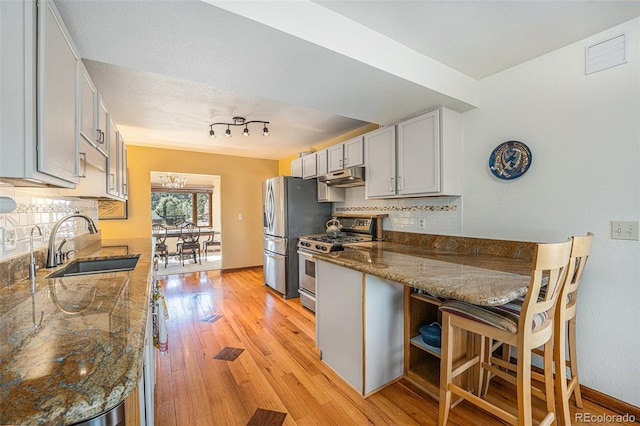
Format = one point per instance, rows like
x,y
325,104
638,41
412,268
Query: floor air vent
x,y
606,54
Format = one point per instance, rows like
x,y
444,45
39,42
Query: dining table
x,y
175,232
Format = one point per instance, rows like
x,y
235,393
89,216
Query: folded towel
x,y
160,335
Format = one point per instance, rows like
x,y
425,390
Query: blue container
x,y
431,334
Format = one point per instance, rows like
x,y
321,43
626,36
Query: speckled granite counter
x,y
483,272
74,349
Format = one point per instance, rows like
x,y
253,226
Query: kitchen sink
x,y
97,265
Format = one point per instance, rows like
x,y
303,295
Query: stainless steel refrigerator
x,y
290,208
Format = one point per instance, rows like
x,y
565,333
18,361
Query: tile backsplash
x,y
437,215
42,207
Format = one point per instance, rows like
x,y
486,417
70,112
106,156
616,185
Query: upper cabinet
x,y
122,169
421,157
347,154
322,162
38,106
380,160
113,170
309,166
296,167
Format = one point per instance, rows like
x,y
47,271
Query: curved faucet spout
x,y
52,261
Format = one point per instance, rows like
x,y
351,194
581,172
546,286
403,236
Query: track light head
x,y
245,132
227,133
265,131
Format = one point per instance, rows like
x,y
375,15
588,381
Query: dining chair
x,y
190,242
524,326
211,241
162,252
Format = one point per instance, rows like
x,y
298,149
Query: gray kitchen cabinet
x,y
322,162
89,106
359,326
112,145
420,158
346,154
38,106
380,162
117,163
309,166
123,186
101,124
296,167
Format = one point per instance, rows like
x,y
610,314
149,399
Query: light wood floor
x,y
277,369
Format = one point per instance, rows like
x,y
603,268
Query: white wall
x,y
584,134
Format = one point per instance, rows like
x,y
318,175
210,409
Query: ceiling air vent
x,y
607,54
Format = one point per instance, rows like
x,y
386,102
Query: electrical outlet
x,y
8,239
624,230
240,216
421,222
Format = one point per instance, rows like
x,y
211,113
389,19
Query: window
x,y
171,207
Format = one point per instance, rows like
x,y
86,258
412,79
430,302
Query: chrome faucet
x,y
32,260
52,259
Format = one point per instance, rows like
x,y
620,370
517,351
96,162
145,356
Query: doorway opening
x,y
180,198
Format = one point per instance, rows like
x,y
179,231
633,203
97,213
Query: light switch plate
x,y
624,230
8,239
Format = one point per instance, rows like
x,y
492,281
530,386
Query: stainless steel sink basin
x,y
97,265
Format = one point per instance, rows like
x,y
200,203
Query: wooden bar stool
x,y
565,320
527,327
564,325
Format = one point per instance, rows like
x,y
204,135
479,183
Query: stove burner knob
x,y
323,248
305,244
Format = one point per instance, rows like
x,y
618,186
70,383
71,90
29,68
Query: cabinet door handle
x,y
103,138
100,136
83,156
112,181
124,189
346,161
391,187
400,183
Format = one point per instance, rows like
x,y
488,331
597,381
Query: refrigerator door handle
x,y
270,207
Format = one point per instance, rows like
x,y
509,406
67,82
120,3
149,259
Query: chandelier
x,y
172,180
239,121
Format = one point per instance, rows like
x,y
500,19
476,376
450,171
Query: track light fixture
x,y
238,121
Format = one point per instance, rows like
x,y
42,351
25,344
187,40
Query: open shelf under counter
x,y
418,342
422,361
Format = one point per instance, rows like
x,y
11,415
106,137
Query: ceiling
x,y
315,70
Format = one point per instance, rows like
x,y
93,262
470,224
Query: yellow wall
x,y
284,165
240,191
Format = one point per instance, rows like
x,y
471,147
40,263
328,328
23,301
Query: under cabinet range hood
x,y
345,178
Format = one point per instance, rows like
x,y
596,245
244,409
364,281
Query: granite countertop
x,y
74,349
481,279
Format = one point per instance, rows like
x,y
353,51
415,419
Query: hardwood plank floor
x,y
277,377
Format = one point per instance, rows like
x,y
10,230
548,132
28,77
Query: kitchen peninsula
x,y
74,348
373,297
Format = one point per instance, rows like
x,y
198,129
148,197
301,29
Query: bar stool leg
x,y
561,391
573,357
446,367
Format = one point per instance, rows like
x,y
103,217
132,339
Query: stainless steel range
x,y
355,229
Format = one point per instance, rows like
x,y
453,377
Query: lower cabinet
x,y
359,326
422,362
